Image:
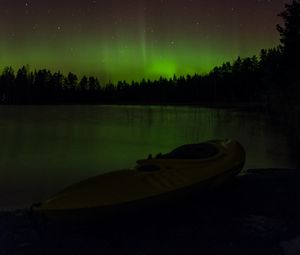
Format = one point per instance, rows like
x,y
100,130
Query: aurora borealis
x,y
134,39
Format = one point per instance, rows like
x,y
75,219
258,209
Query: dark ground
x,y
257,213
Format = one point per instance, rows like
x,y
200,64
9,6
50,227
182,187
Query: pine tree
x,y
290,38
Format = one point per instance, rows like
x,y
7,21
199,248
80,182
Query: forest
x,y
270,80
245,80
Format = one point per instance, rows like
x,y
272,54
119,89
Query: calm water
x,y
44,148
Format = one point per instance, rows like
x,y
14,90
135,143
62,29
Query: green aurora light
x,y
135,40
123,60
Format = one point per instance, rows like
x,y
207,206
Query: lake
x,y
45,148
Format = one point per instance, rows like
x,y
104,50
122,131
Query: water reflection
x,y
44,148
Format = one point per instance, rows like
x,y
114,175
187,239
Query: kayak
x,y
152,181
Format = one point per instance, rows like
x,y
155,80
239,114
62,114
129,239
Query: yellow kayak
x,y
189,167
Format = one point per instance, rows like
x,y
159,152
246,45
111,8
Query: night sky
x,y
134,39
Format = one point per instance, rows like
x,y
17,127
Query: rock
x,y
291,247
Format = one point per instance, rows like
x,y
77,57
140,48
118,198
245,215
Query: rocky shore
x,y
257,213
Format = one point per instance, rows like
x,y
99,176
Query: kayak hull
x,y
164,195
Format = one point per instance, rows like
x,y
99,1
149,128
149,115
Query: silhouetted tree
x,y
7,88
56,91
42,86
71,81
290,32
83,84
22,86
93,83
290,39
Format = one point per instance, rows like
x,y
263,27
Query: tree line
x,y
45,87
273,75
243,80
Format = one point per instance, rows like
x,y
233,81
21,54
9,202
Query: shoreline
x,y
222,106
257,213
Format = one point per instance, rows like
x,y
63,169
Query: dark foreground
x,y
258,213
